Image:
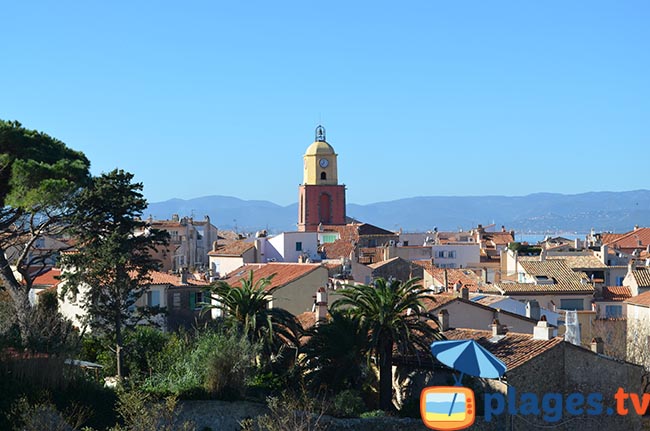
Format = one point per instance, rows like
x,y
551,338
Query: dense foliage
x,y
394,316
111,267
39,176
246,308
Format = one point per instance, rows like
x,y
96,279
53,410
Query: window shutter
x,y
192,300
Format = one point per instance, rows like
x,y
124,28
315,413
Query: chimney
x,y
503,228
542,255
443,319
445,280
603,254
183,275
576,244
464,293
498,328
532,309
631,266
543,331
321,305
214,246
598,345
175,217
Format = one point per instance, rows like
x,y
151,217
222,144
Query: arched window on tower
x,y
323,176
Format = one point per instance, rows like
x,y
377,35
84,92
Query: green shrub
x,y
347,404
373,414
214,364
139,413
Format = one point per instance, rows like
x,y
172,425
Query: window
x,y
572,304
451,254
323,176
613,311
298,246
405,244
327,238
176,300
619,281
153,298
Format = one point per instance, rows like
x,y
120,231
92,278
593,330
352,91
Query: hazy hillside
x,y
540,212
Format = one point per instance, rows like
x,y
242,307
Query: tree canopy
x,y
39,176
395,317
247,307
113,260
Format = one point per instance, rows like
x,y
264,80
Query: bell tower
x,y
321,200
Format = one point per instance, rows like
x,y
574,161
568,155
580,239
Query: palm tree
x,y
335,355
247,307
395,317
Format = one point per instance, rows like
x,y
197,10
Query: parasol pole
x,y
453,400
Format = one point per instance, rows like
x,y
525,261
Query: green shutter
x,y
192,300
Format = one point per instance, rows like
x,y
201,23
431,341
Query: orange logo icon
x,y
447,407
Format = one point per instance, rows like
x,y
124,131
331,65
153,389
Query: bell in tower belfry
x,y
321,198
320,134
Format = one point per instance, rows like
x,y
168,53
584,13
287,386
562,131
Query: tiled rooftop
x,y
642,276
48,278
541,289
236,248
616,293
377,265
642,299
580,262
337,249
158,277
513,349
638,238
566,279
285,273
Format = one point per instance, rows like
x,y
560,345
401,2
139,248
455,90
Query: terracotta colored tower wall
x,y
313,206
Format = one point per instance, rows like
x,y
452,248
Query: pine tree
x,y
112,264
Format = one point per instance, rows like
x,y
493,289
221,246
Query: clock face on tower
x,y
323,163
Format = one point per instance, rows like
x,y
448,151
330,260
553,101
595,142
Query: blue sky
x,y
419,98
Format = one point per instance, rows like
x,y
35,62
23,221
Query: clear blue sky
x,y
419,98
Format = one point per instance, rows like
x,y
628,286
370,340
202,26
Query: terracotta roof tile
x,y
48,278
638,238
616,293
565,279
498,238
541,289
580,262
158,277
642,299
642,276
235,249
513,349
285,273
307,319
337,249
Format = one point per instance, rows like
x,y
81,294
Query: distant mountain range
x,y
537,213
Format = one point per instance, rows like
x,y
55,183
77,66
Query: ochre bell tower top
x,y
321,199
320,162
